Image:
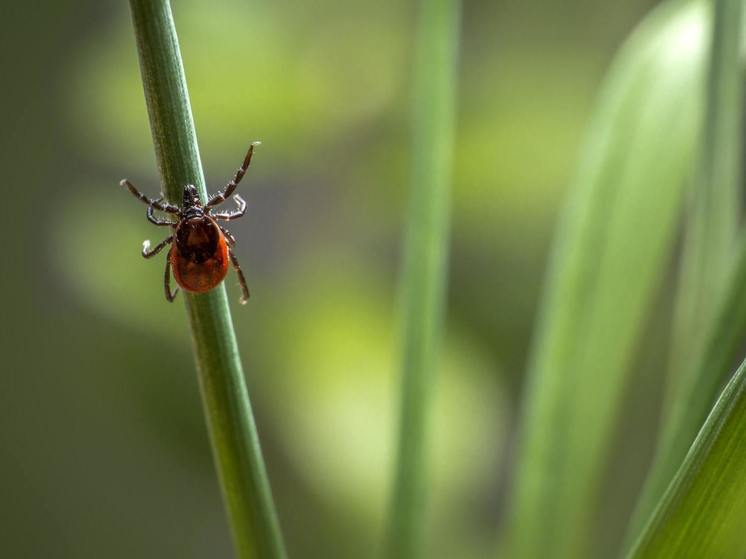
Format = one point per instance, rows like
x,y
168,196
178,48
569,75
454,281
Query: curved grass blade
x,y
615,239
709,320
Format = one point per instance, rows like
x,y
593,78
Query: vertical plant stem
x,y
425,264
230,421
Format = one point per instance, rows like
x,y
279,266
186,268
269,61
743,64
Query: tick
x,y
200,246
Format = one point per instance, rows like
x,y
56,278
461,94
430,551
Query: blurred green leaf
x,y
714,208
256,71
331,398
710,314
702,511
614,246
424,272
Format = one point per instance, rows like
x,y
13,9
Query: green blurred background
x,y
103,452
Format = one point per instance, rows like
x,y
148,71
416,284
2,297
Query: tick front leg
x,y
223,195
228,216
157,204
155,220
170,295
147,252
241,278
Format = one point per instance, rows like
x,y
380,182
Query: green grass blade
x,y
702,345
702,512
425,264
615,239
233,434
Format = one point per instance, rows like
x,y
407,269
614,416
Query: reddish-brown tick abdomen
x,y
199,254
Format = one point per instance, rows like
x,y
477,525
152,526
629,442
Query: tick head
x,y
191,197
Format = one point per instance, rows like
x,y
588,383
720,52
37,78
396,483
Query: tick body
x,y
199,256
201,248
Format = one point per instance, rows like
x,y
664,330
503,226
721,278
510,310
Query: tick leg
x,y
228,216
155,220
147,252
157,204
223,195
241,278
231,239
170,295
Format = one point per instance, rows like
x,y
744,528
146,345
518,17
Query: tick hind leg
x,y
223,195
228,236
147,252
241,278
170,295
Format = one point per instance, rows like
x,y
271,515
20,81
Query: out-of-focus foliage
x,y
709,322
613,250
260,70
102,449
423,276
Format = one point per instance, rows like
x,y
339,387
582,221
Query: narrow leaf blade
x,y
702,512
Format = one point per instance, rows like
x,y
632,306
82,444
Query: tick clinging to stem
x,y
200,246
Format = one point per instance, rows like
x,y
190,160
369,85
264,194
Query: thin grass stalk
x,y
233,435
